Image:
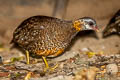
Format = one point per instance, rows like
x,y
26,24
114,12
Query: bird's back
x,y
43,33
113,25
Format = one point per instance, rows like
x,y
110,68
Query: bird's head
x,y
85,23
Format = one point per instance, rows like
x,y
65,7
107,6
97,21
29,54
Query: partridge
x,y
49,36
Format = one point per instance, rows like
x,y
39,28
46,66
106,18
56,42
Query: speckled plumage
x,y
49,36
40,33
113,25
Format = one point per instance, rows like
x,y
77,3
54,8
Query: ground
x,y
14,12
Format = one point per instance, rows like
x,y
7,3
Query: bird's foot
x,y
28,76
50,69
34,61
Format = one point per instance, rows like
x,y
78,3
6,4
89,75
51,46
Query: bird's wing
x,y
113,25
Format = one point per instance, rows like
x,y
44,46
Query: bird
x,y
48,36
113,25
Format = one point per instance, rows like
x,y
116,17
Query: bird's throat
x,y
77,25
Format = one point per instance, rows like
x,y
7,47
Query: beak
x,y
96,29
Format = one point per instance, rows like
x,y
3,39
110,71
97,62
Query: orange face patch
x,y
77,25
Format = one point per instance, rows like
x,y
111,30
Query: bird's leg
x,y
47,66
27,57
45,61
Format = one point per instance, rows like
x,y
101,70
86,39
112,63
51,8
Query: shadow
x,y
14,45
110,35
88,33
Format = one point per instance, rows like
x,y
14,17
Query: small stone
x,y
84,49
89,73
112,69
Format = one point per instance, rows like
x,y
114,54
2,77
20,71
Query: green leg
x,y
27,57
47,66
45,61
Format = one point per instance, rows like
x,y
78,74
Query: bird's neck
x,y
72,32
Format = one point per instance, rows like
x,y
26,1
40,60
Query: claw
x,y
50,69
47,66
28,76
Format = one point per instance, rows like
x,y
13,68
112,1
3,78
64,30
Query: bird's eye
x,y
90,23
81,20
